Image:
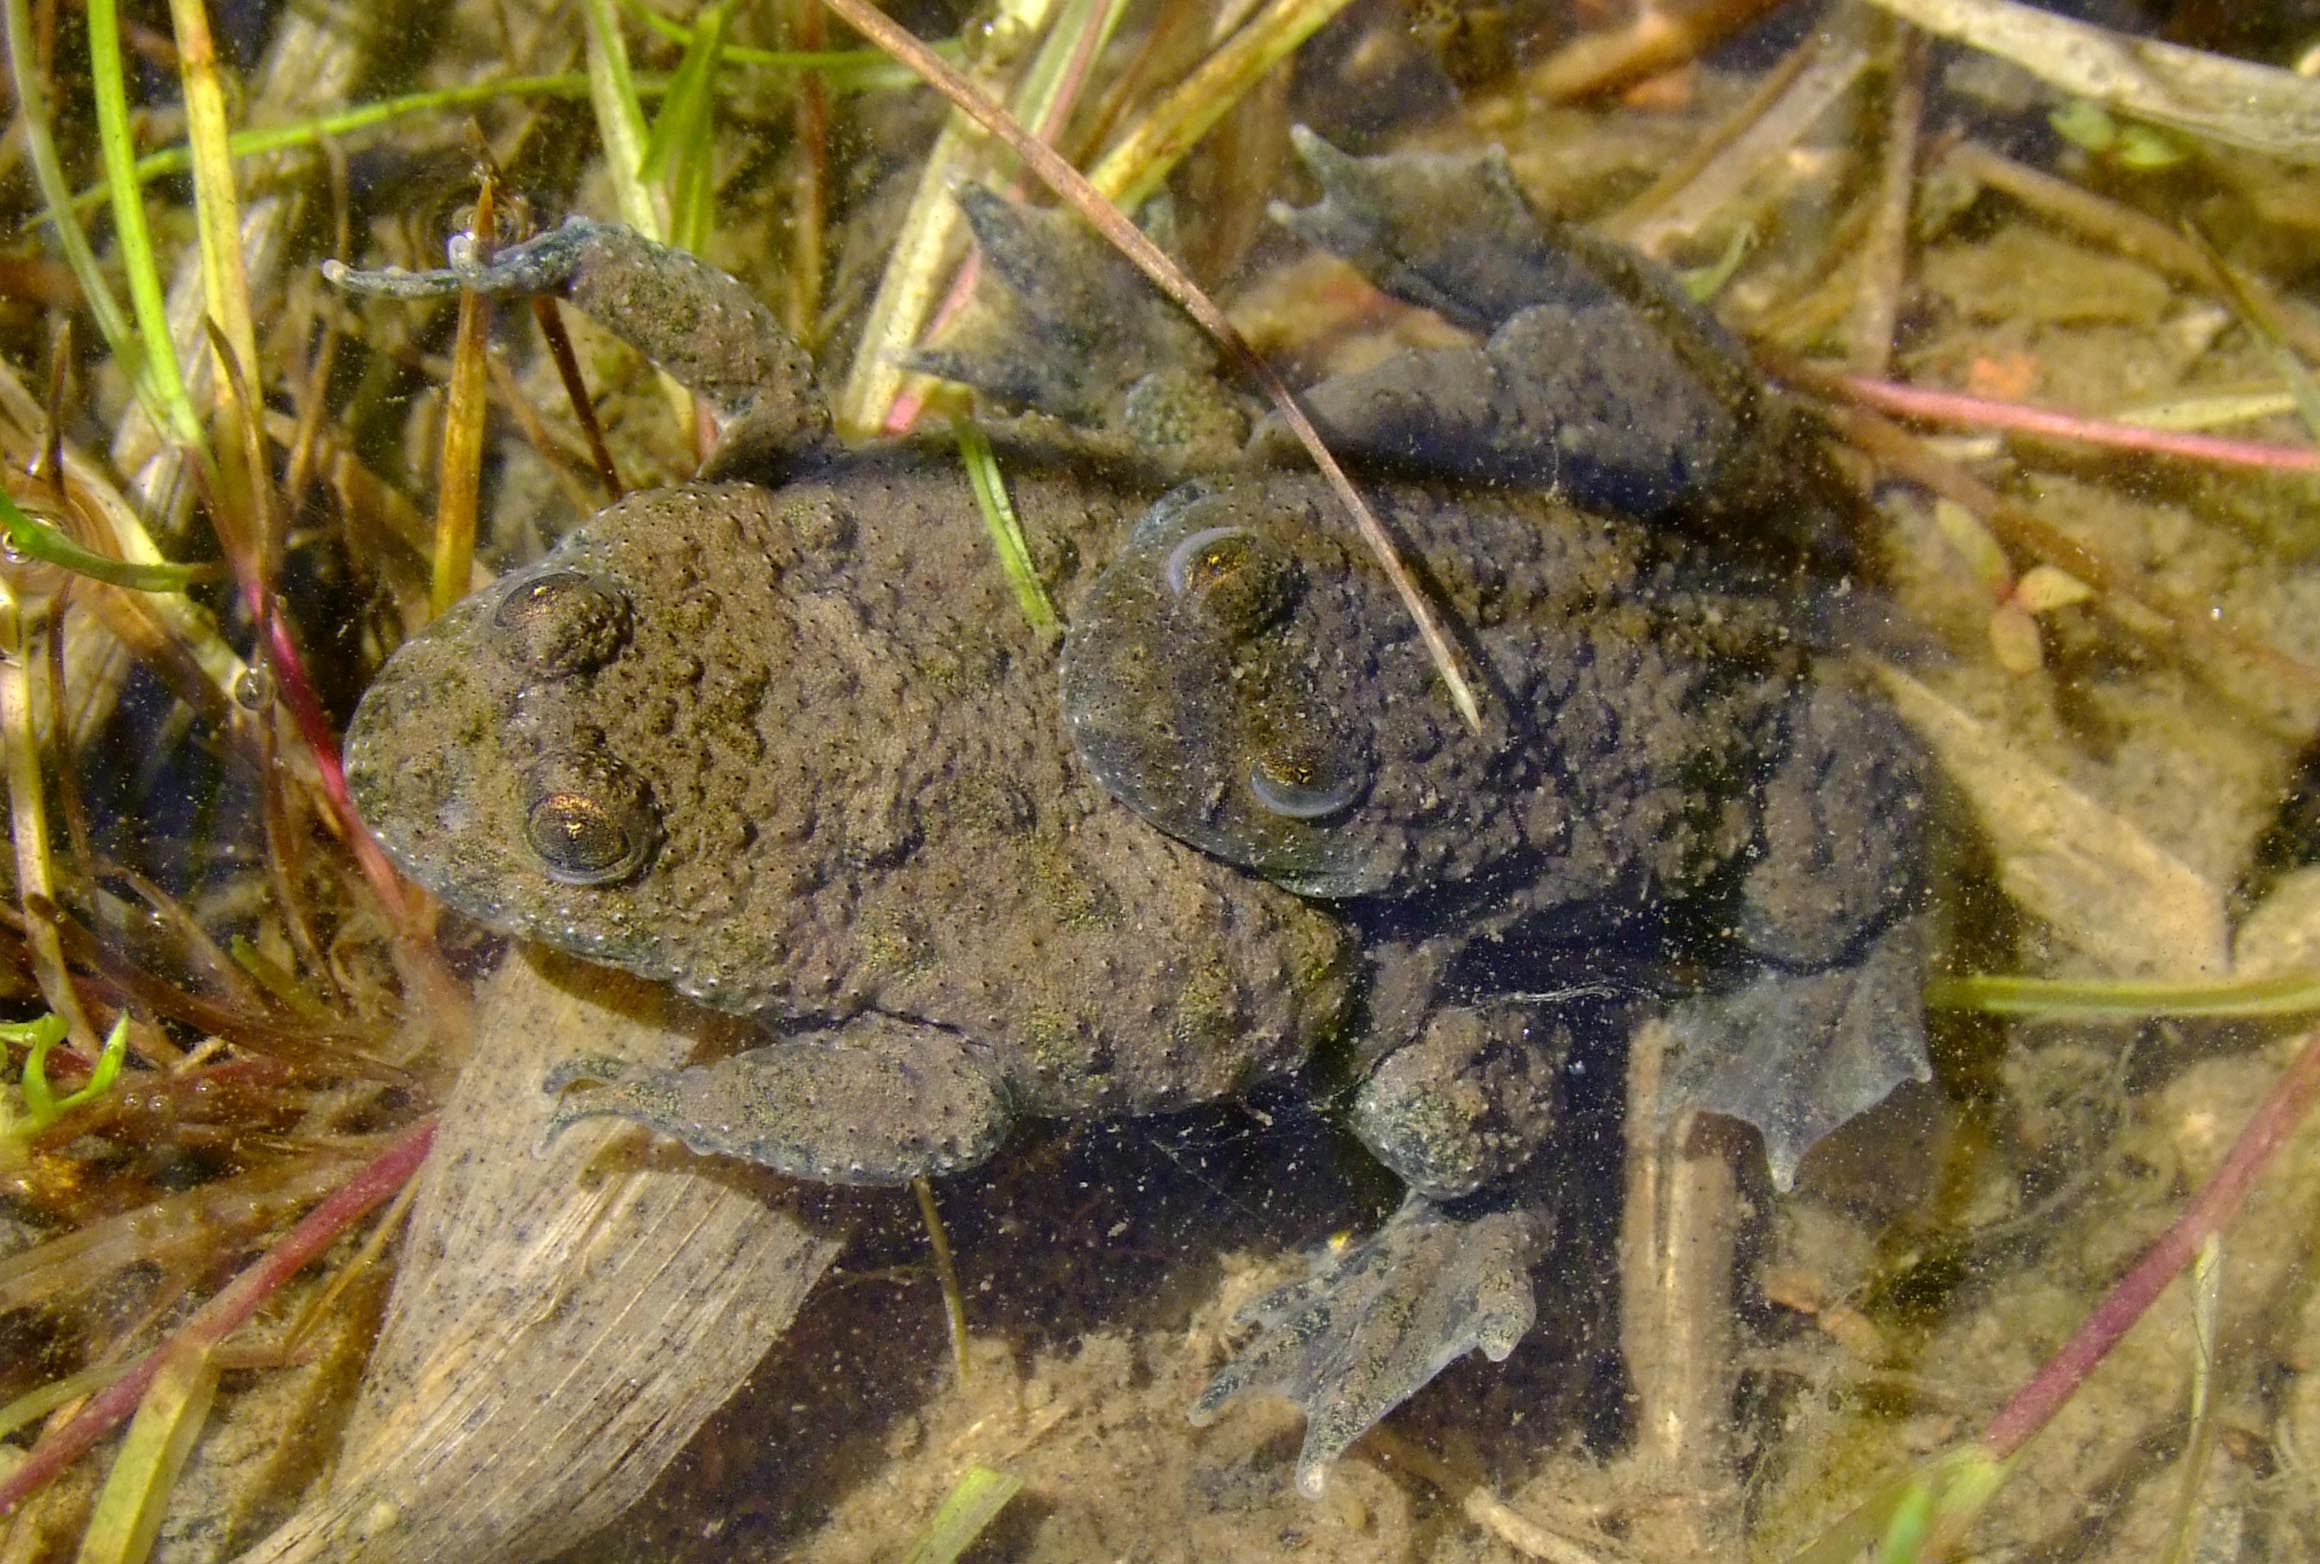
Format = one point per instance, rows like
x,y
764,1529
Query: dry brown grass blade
x,y
455,496
2237,102
1072,187
2065,856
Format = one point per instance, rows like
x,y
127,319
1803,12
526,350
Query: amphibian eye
x,y
564,621
589,821
1240,582
1306,772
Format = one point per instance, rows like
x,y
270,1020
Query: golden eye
x,y
589,821
1239,581
564,621
1305,770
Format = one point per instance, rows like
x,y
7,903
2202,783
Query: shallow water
x,y
1719,1369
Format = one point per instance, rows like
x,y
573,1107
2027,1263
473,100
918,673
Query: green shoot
x,y
1705,282
42,1107
990,486
1913,1517
151,348
679,156
39,540
966,1510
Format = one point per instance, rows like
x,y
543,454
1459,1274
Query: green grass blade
x,y
2206,1305
620,121
680,155
1140,162
38,540
844,70
147,299
2291,993
136,1494
685,107
970,1506
34,1405
990,486
217,205
1913,1517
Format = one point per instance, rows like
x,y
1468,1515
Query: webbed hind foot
x,y
1063,325
1801,1054
1600,376
1355,1340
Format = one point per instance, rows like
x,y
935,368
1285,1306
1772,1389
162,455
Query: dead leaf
x,y
2090,873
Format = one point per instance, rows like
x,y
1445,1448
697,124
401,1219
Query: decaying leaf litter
x,y
2124,753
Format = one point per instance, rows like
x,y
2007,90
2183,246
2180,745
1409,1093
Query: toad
x,y
780,737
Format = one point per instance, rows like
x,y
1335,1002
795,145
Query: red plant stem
x,y
249,558
289,671
1956,407
225,1313
2035,1403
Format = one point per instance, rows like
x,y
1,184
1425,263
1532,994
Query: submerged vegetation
x,y
2070,360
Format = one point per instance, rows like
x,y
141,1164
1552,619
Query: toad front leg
x,y
877,1101
697,323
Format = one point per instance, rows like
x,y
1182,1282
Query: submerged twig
x,y
946,1274
1486,1510
1654,39
1663,216
1885,250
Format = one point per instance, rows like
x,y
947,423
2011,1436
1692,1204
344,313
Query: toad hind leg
x,y
1600,376
1836,1020
879,1101
1366,1332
